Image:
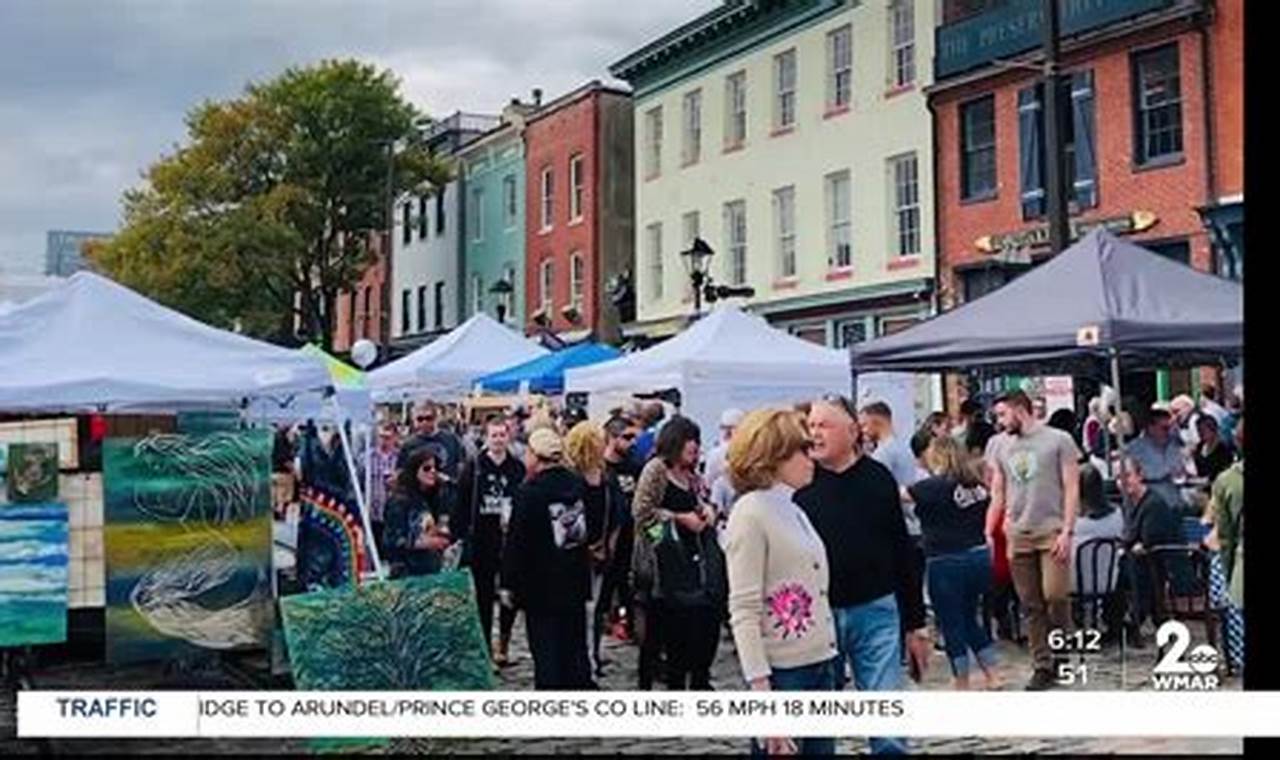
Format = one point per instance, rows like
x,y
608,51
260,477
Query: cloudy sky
x,y
94,90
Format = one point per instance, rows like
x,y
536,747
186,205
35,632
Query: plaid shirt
x,y
382,467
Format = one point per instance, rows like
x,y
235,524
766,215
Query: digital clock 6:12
x,y
1085,640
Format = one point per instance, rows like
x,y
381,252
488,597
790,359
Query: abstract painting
x,y
32,472
188,544
33,574
331,536
413,633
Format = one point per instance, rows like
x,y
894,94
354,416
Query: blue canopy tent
x,y
546,373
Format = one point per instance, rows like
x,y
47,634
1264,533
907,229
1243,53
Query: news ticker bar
x,y
118,714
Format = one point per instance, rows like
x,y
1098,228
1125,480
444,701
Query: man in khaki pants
x,y
1035,490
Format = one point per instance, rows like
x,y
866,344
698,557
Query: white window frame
x,y
735,235
653,250
905,202
477,294
509,299
840,68
690,228
510,199
691,145
577,188
902,44
653,142
785,74
546,286
839,220
784,229
577,279
735,110
477,214
547,188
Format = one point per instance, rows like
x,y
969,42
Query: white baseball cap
x,y
731,417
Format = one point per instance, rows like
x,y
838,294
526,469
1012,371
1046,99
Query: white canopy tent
x,y
448,366
92,345
727,359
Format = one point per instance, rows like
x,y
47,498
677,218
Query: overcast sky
x,y
92,91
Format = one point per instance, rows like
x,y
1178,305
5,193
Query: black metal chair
x,y
1180,590
1098,588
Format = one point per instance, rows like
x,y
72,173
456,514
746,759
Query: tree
x,y
263,216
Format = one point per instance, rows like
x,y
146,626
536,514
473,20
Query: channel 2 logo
x,y
1179,670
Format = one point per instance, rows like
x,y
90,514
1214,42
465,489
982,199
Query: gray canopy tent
x,y
1100,303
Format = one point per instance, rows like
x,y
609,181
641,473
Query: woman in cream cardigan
x,y
778,577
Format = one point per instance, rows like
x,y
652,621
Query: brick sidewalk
x,y
620,675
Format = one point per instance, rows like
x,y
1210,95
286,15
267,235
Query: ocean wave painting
x,y
188,544
33,574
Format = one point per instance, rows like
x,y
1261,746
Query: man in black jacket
x,y
1151,523
545,566
486,494
854,504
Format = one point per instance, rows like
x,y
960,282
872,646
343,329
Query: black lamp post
x,y
502,289
697,260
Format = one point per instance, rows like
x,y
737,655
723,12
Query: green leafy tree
x,y
265,214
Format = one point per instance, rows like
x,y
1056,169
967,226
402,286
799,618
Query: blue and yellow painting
x,y
187,544
33,574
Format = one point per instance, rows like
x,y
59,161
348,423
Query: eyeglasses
x,y
427,468
628,436
425,418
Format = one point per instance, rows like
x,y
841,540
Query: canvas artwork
x,y
413,633
332,539
32,472
188,544
33,574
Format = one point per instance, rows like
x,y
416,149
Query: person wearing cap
x,y
427,430
546,566
729,419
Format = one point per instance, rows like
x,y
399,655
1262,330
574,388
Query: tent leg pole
x,y
1115,383
355,486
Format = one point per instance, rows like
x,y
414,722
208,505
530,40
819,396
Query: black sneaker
x,y
1041,680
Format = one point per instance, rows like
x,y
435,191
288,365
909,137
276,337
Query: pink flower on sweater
x,y
792,609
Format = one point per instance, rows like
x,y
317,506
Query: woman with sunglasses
x,y
416,518
782,622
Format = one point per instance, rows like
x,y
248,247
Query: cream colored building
x,y
794,138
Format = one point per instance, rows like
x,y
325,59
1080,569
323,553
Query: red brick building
x,y
359,312
579,211
1153,132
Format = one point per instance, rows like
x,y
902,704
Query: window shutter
x,y
1085,190
1030,151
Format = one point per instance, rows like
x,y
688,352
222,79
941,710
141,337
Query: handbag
x,y
696,580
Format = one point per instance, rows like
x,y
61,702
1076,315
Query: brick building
x,y
359,312
1152,130
578,211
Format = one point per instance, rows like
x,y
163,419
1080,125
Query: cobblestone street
x,y
1106,673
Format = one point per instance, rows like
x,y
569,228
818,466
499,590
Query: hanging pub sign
x,y
1138,221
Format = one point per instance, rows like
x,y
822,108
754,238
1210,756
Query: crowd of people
x,y
818,535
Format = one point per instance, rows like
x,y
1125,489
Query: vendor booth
x,y
546,373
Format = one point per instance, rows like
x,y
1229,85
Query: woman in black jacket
x,y
416,519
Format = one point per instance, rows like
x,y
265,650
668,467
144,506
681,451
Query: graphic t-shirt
x,y
1032,467
952,515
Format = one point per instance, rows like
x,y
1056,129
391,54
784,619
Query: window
x,y
509,299
784,88
691,226
404,311
851,332
839,68
576,188
902,29
477,214
1076,102
784,221
978,148
439,305
548,198
1174,250
509,209
352,324
691,146
906,203
735,98
653,142
653,240
839,224
735,226
440,211
1157,104
406,212
477,294
546,284
577,279
422,217
422,308
368,312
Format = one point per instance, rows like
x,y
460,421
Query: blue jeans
x,y
820,676
869,638
956,583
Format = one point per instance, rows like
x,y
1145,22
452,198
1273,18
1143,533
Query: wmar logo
x,y
1197,671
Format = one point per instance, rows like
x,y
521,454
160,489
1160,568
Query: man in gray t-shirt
x,y
1035,491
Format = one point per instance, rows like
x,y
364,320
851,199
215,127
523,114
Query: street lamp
x,y
503,290
697,260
